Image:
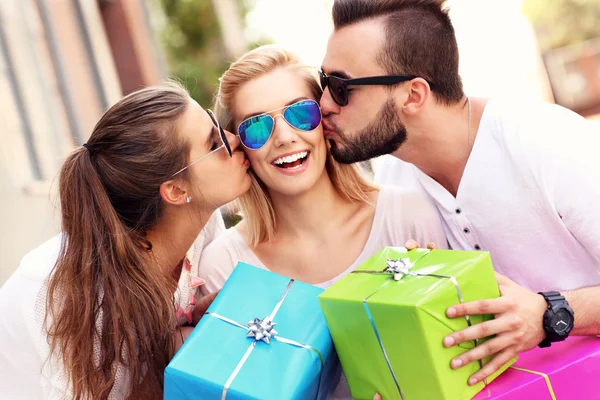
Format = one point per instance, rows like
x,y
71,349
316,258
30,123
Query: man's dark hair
x,y
419,40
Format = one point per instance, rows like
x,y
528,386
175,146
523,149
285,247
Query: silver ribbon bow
x,y
262,330
398,269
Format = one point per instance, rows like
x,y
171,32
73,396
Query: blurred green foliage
x,y
191,37
196,54
231,219
194,47
560,23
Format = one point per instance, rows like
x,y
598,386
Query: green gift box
x,y
388,319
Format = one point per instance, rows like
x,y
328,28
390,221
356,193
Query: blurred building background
x,y
63,62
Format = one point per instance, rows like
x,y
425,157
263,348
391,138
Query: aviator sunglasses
x,y
338,87
255,131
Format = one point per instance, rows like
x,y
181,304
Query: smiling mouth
x,y
292,161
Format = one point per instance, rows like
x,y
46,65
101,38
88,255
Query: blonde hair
x,y
256,205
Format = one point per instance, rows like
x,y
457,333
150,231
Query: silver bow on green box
x,y
398,269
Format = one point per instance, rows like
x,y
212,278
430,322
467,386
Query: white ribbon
x,y
256,340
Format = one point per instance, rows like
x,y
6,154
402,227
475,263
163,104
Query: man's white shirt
x,y
530,195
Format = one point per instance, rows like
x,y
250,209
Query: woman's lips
x,y
295,170
243,159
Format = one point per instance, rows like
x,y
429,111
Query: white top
x,y
530,195
24,349
399,216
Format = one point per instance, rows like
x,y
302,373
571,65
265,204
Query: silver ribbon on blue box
x,y
264,337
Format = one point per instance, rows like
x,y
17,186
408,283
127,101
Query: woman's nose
x,y
283,133
234,140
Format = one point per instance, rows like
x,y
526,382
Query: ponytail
x,y
110,308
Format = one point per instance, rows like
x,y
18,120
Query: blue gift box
x,y
293,358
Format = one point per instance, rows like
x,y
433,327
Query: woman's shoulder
x,y
23,302
39,262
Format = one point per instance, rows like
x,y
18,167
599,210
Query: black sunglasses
x,y
338,87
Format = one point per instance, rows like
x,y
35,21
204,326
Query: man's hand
x,y
412,244
517,326
201,307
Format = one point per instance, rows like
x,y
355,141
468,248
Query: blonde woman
x,y
305,216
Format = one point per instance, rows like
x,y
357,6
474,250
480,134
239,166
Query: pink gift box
x,y
572,368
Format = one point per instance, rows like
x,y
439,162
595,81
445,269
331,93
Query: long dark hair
x,y
108,304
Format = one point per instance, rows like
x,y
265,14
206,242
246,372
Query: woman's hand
x,y
180,336
201,307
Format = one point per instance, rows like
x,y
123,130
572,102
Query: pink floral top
x,y
187,293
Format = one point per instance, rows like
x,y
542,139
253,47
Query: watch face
x,y
562,322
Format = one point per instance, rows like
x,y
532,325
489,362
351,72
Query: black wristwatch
x,y
558,319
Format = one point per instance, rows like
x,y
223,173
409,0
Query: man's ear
x,y
417,96
173,192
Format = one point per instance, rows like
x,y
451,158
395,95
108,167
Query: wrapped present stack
x,y
264,337
387,320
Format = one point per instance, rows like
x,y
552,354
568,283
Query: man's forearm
x,y
586,307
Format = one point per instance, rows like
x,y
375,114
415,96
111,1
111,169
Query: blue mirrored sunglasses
x,y
255,132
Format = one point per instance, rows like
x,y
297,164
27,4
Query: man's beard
x,y
384,135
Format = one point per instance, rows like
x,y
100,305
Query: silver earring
x,y
188,199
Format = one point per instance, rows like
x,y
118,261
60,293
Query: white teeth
x,y
291,158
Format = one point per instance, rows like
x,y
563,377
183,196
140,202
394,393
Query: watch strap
x,y
552,297
545,343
